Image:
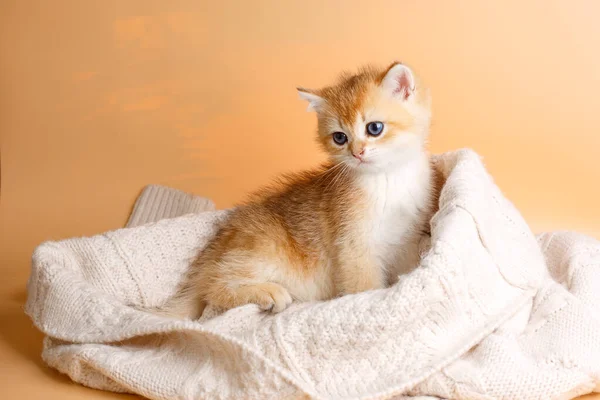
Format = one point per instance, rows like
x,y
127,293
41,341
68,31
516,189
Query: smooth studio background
x,y
98,99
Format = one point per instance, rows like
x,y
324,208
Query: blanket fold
x,y
492,312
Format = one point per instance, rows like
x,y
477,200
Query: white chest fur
x,y
397,207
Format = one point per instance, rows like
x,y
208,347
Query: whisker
x,y
330,170
338,177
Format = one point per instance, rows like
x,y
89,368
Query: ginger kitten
x,y
350,226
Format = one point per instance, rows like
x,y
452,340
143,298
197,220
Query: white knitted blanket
x,y
491,313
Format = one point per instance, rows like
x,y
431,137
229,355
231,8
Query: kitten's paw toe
x,y
266,305
282,300
276,298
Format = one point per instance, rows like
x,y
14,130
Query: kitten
x,y
350,226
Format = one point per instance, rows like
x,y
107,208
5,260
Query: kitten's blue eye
x,y
340,138
374,128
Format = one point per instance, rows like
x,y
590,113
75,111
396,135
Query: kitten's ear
x,y
315,102
399,81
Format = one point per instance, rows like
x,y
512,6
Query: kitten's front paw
x,y
280,298
269,296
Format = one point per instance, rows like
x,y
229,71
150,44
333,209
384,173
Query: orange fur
x,y
309,236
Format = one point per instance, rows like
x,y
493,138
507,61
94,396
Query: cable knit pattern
x,y
158,202
491,313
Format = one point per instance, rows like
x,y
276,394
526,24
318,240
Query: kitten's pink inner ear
x,y
404,86
399,81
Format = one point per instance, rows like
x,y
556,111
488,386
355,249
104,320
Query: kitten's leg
x,y
220,286
409,256
268,296
239,278
234,280
358,273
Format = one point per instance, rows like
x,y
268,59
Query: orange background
x,y
99,98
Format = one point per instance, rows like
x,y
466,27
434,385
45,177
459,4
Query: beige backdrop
x,y
99,98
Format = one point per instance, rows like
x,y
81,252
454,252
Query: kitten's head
x,y
374,119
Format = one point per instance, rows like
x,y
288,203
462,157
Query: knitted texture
x,y
492,312
159,202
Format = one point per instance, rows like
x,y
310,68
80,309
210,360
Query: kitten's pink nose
x,y
359,155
